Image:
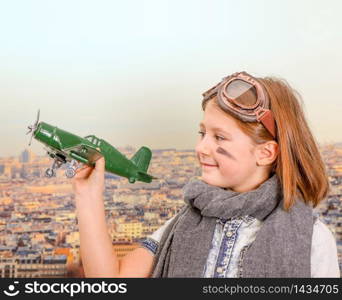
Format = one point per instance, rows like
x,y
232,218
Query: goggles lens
x,y
242,92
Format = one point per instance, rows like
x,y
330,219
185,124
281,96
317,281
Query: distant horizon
x,y
152,149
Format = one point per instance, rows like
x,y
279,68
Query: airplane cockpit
x,y
93,139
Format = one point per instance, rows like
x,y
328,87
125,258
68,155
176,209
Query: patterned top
x,y
232,238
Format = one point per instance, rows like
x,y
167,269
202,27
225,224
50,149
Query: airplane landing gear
x,y
70,172
50,172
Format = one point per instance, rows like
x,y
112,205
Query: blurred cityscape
x,y
38,229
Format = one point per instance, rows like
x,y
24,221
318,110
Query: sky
x,y
133,72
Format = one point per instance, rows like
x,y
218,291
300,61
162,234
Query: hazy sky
x,y
132,72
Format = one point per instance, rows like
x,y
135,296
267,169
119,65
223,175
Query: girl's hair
x,y
299,164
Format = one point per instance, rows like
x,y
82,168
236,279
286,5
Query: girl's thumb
x,y
100,165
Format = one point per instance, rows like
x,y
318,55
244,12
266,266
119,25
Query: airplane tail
x,y
145,177
142,159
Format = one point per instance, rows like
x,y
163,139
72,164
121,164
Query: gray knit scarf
x,y
282,247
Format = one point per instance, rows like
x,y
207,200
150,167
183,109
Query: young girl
x,y
248,215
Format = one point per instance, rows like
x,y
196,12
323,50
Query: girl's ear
x,y
266,153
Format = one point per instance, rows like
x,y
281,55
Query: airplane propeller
x,y
33,127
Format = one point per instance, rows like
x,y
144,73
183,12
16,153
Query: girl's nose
x,y
202,147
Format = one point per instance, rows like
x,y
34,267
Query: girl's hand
x,y
89,182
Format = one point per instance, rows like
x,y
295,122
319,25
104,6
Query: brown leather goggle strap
x,y
265,116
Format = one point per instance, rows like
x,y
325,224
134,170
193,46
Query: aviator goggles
x,y
243,96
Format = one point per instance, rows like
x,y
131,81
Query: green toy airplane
x,y
67,148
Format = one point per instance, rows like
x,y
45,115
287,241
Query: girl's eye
x,y
201,133
219,138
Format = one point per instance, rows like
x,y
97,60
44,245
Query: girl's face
x,y
225,153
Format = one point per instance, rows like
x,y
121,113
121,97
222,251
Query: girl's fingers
x,y
83,172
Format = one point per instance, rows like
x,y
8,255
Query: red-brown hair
x,y
299,165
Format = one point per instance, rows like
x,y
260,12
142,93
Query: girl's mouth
x,y
209,165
